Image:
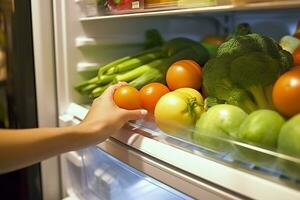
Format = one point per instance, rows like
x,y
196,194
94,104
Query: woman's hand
x,y
23,147
105,117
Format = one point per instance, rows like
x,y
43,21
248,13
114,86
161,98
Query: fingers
x,y
134,114
110,90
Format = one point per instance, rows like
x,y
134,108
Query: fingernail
x,y
144,112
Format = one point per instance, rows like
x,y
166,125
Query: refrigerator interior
x,y
83,43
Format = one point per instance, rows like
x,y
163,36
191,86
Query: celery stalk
x,y
128,76
85,83
105,68
153,75
105,79
99,90
88,88
135,62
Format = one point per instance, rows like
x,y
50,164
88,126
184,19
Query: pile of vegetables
x,y
145,67
248,91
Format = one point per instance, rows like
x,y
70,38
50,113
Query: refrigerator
x,y
71,38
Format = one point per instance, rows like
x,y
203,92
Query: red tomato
x,y
151,93
128,97
286,93
296,56
184,74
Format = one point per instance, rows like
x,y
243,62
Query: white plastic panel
x,y
75,176
110,179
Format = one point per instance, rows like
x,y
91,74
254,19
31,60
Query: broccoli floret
x,y
212,101
238,46
241,29
216,79
286,61
242,99
266,44
244,71
217,83
254,72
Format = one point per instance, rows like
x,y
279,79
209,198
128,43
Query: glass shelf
x,y
216,6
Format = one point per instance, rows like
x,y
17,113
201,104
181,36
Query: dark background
x,y
20,94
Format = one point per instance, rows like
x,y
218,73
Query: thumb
x,y
134,114
109,92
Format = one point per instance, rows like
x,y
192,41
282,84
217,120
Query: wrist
x,y
87,134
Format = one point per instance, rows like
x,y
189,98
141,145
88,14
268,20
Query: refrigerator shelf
x,y
218,6
221,168
82,42
86,66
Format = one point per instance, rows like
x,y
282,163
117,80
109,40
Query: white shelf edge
x,y
159,13
85,41
85,66
217,8
77,111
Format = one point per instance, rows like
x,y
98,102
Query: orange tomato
x,y
151,93
184,74
286,93
296,56
127,97
214,39
295,67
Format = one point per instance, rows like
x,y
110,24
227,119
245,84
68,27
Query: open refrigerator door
x,y
179,165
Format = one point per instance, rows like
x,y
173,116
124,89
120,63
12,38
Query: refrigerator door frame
x,y
44,57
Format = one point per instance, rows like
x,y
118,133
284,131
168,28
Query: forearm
x,y
20,148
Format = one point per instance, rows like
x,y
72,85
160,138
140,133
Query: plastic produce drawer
x,y
109,178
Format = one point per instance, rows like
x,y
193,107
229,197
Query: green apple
x,y
261,128
219,123
289,143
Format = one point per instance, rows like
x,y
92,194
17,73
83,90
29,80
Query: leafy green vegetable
x,y
211,101
211,49
217,83
153,39
254,72
244,71
241,29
